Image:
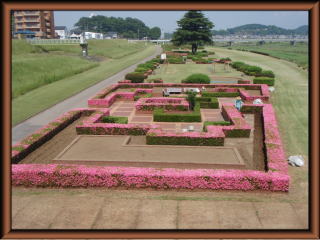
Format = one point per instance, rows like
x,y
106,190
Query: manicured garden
x,y
136,109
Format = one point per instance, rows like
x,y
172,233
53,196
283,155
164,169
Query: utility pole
x,y
138,34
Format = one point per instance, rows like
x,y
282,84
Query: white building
x,y
61,32
93,35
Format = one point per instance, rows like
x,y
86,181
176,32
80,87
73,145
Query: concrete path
x,y
79,100
142,209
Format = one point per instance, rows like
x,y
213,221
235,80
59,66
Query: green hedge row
x,y
217,123
220,94
146,95
135,77
264,80
114,119
197,78
208,102
238,133
252,70
160,116
164,140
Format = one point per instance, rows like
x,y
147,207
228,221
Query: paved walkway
x,y
142,209
79,100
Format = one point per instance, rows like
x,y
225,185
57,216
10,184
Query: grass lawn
x,y
36,65
174,73
43,97
297,53
31,71
290,99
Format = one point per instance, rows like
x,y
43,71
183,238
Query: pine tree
x,y
195,29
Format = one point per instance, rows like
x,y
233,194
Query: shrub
x,y
198,78
147,95
225,59
191,98
208,102
252,70
135,77
266,73
141,69
220,94
196,139
264,80
217,123
175,60
114,119
160,116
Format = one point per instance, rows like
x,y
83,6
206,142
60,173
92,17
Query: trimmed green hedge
x,y
114,119
238,133
217,123
264,80
208,102
160,116
164,140
197,78
135,77
146,95
220,94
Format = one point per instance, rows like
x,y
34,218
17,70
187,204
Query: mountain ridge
x,y
260,29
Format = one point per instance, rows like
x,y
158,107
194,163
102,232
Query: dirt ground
x,y
249,150
52,148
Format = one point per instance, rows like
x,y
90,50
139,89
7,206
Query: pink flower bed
x,y
92,126
149,104
110,99
53,175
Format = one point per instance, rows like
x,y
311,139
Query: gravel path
x,y
27,127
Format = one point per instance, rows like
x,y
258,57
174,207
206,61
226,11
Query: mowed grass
x,y
110,48
44,97
290,98
174,73
294,53
36,65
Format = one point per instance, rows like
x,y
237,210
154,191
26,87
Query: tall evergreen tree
x,y
195,29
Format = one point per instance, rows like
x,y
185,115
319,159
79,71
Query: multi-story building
x,y
39,22
61,32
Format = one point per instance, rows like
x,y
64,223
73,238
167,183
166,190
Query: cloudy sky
x,y
167,20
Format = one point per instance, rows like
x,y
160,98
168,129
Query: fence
x,y
55,41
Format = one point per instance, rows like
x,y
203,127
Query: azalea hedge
x,y
100,100
170,104
94,125
44,134
75,176
107,101
276,177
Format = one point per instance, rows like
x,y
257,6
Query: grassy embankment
x,y
290,99
45,75
284,50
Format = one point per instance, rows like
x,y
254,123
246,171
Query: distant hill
x,y
260,29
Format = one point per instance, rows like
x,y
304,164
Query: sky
x,y
167,20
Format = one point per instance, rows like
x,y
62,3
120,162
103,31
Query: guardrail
x,y
55,41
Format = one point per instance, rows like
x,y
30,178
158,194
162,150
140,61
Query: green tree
x,y
155,33
194,29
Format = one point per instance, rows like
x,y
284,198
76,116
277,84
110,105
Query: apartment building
x,y
39,22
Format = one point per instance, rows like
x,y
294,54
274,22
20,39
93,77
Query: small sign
x,y
163,56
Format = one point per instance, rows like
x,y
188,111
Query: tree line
x,y
131,28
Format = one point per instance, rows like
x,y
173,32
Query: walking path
x,y
150,209
27,127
